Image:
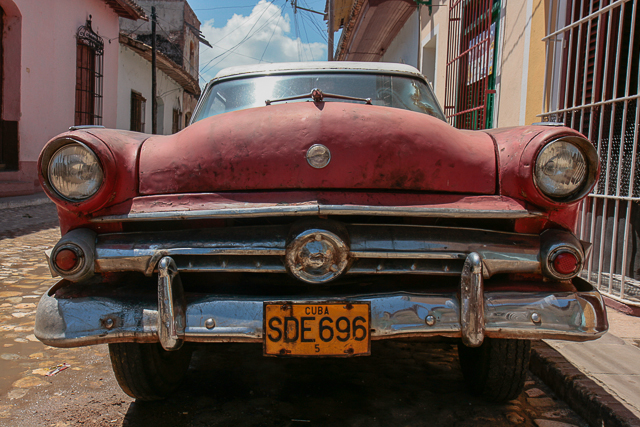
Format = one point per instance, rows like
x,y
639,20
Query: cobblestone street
x,y
401,384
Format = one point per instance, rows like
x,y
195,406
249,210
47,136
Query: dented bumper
x,y
72,315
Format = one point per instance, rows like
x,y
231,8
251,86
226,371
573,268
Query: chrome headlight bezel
x,y
55,149
590,156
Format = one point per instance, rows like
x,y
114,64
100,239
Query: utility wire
x,y
301,51
234,30
274,31
247,37
304,27
227,7
313,20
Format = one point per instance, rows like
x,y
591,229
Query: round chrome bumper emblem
x,y
317,256
318,156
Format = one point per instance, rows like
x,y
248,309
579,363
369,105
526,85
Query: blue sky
x,y
250,31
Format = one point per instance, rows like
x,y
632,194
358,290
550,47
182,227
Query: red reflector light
x,y
565,263
66,259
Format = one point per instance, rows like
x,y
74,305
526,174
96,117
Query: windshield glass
x,y
387,90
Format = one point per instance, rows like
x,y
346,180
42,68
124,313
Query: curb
x,y
24,201
631,310
582,394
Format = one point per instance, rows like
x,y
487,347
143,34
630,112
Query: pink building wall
x,y
40,76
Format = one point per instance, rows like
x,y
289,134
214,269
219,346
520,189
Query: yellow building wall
x,y
537,52
342,9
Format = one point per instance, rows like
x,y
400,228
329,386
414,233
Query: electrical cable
x,y
313,21
274,31
247,37
204,67
308,42
301,51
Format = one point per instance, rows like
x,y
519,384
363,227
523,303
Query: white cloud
x,y
248,37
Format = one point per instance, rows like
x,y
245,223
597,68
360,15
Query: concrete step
x,y
16,188
24,201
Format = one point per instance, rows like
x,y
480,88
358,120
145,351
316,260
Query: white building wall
x,y
134,73
49,68
404,48
39,79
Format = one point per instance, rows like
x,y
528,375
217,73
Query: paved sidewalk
x,y
612,361
599,379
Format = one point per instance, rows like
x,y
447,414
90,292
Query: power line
x,y
227,7
304,27
242,25
203,68
301,51
314,22
274,31
247,37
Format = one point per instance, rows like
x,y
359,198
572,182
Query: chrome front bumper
x,y
94,314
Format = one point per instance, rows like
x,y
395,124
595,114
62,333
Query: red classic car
x,y
313,208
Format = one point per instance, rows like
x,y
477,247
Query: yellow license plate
x,y
317,329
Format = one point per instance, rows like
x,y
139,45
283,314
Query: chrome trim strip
x,y
402,266
472,301
317,209
305,210
83,127
395,248
424,212
408,255
68,321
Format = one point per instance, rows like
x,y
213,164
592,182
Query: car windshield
x,y
383,89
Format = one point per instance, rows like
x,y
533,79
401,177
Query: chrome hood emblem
x,y
318,156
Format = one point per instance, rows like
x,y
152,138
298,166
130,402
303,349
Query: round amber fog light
x,y
565,263
66,259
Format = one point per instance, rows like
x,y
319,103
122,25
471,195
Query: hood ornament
x,y
318,156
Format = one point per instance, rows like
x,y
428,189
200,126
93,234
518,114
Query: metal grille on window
x,y
470,76
592,85
138,107
89,74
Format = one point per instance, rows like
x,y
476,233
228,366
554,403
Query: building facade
x,y
173,85
68,77
178,38
500,63
473,52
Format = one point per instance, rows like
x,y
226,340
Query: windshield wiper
x,y
317,95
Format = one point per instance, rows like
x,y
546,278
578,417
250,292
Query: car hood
x,y
372,148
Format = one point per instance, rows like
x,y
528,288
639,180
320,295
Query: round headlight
x,y
74,172
561,169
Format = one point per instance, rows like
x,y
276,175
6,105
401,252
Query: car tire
x,y
147,371
497,369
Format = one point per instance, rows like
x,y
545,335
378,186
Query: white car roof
x,y
318,66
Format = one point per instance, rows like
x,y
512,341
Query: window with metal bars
x,y
470,70
89,74
592,85
138,107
